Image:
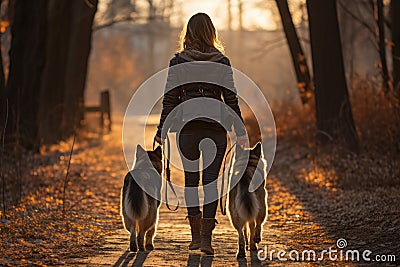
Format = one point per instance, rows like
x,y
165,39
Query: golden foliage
x,y
4,25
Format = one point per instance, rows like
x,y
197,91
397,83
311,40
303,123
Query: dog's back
x,y
135,205
248,209
139,207
245,203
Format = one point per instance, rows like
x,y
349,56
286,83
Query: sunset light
x,y
199,133
253,17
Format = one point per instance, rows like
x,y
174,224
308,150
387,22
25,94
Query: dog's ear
x,y
139,150
158,152
257,149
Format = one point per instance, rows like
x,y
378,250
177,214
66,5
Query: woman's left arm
x,y
171,98
231,99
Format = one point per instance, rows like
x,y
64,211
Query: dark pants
x,y
190,146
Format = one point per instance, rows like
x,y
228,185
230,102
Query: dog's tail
x,y
135,200
246,201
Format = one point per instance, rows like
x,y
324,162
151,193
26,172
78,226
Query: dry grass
x,y
354,196
376,116
35,230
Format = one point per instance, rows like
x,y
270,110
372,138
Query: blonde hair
x,y
200,34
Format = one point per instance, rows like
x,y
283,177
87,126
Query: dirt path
x,y
300,218
315,198
173,235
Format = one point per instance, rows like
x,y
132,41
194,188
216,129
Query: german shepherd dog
x,y
139,209
248,209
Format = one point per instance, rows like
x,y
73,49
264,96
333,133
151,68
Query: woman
x,y
199,42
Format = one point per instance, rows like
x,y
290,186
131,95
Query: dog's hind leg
x,y
133,241
241,251
252,226
239,224
262,214
140,238
127,222
149,238
246,236
145,225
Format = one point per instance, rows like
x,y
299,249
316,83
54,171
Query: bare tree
x,y
53,86
116,11
333,110
380,21
229,15
370,15
240,9
48,63
304,82
2,90
79,46
152,10
3,118
395,14
27,60
64,77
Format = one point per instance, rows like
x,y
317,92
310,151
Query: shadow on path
x,y
199,260
254,261
128,256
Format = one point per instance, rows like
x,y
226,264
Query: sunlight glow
x,y
253,17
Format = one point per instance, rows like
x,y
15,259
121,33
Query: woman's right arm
x,y
231,99
171,97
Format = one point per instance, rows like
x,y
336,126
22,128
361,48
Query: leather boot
x,y
207,226
195,226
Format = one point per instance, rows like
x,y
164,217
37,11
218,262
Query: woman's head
x,y
200,34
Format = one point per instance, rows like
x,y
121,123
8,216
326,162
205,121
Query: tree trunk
x,y
10,11
76,67
333,110
380,20
27,60
299,60
395,14
240,10
53,86
152,10
3,103
229,15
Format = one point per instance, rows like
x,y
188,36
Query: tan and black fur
x,y
248,210
139,209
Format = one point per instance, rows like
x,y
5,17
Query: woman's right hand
x,y
158,140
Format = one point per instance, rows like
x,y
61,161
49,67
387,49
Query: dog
x,y
139,209
248,209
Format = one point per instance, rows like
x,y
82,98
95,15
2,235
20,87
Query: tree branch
x,y
89,4
355,17
112,22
